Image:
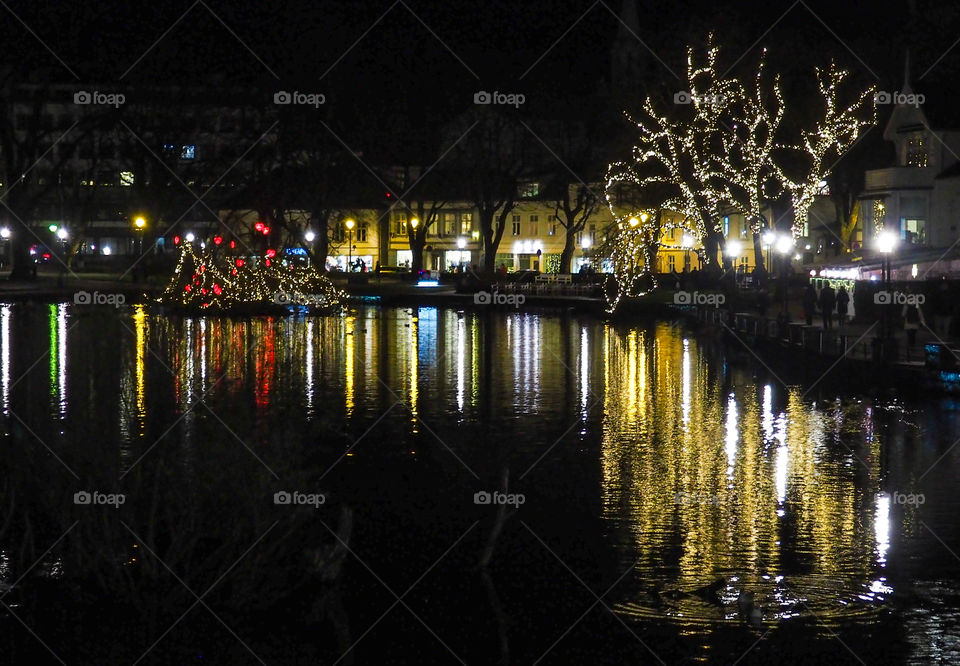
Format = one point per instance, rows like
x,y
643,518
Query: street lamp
x,y
349,224
190,237
768,238
885,244
309,236
784,246
633,222
139,223
585,245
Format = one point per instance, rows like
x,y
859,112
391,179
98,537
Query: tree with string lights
x,y
747,161
681,148
836,130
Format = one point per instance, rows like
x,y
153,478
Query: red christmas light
x,y
266,231
239,263
217,240
259,226
176,240
233,244
271,253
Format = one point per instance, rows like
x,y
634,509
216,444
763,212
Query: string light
x,y
834,134
213,281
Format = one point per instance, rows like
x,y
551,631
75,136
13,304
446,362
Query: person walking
x,y
828,301
843,302
912,320
809,303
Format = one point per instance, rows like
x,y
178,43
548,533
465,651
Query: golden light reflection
x,y
711,477
140,327
461,362
348,365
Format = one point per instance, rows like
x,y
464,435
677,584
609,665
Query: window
x,y
126,178
449,224
188,152
726,226
401,219
516,218
362,233
553,230
916,150
466,223
913,231
528,190
534,219
671,262
744,228
670,233
516,228
593,234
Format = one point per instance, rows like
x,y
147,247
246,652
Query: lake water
x,y
671,501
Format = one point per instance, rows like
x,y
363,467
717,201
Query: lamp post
x,y
885,243
585,245
309,237
349,224
733,249
768,239
784,246
139,224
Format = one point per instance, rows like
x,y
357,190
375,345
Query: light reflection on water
x,y
706,470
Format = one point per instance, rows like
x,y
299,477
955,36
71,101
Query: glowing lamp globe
x,y
785,244
886,241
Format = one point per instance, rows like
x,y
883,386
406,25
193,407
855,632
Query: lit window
x,y
516,228
528,190
188,152
916,150
466,222
126,178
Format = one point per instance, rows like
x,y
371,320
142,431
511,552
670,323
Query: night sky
x,y
400,78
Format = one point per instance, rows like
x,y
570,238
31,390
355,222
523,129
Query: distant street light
x,y
62,234
633,222
309,236
5,233
734,248
349,223
885,244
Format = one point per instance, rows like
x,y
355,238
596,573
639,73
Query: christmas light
x,y
213,281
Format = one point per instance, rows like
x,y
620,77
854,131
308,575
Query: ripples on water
x,y
692,469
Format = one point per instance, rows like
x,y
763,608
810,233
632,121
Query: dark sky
x,y
408,64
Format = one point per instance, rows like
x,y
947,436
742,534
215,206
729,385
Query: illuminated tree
x,y
682,148
747,161
834,133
